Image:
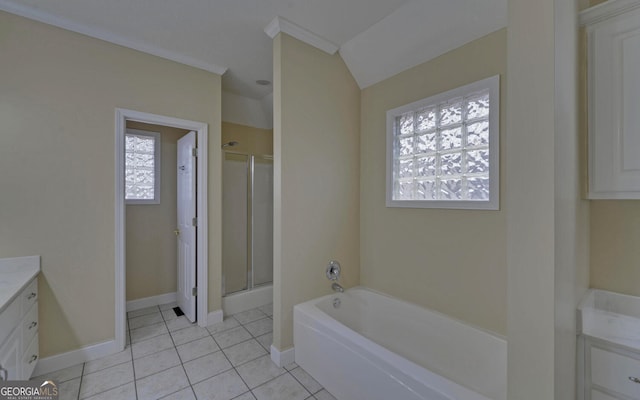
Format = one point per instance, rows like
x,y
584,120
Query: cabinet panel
x,y
9,318
29,326
614,119
10,357
613,371
30,358
597,395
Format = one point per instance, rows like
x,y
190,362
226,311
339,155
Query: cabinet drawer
x,y
597,395
9,319
30,358
29,326
29,295
612,371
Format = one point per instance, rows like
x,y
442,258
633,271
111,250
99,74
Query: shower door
x,y
262,224
235,175
247,221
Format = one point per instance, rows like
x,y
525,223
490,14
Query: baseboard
x,y
284,357
75,357
247,300
214,317
151,301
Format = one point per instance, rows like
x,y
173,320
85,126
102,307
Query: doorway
x,y
200,290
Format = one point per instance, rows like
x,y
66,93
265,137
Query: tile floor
x,y
167,357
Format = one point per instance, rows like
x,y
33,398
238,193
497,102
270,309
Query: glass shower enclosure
x,y
247,221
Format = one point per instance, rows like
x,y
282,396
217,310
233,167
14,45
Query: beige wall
x,y
58,95
615,249
250,140
452,261
151,243
316,169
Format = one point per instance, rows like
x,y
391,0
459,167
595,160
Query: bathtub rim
x,y
414,371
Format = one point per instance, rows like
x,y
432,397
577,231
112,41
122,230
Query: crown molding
x,y
64,23
606,10
279,24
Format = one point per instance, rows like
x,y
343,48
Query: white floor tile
x,y
188,334
178,323
266,341
243,352
143,311
284,387
62,375
155,362
184,394
147,332
226,324
260,327
150,346
231,337
259,371
124,392
249,316
206,367
267,309
106,379
197,348
108,361
69,389
145,320
307,380
291,366
324,395
246,396
225,386
169,314
161,384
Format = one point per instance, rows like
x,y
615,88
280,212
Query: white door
x,y
187,225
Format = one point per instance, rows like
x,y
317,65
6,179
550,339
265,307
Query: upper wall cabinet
x,y
613,30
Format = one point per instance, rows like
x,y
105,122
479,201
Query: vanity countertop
x,y
15,274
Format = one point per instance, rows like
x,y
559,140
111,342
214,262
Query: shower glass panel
x,y
235,173
262,213
247,221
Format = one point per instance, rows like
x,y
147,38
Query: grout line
x,y
175,348
80,385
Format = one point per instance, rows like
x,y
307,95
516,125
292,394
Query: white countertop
x,y
15,274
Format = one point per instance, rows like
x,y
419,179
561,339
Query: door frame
x,y
201,129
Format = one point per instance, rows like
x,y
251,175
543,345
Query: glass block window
x,y
142,167
442,151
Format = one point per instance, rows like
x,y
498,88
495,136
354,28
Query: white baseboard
x,y
243,301
284,357
75,357
151,301
214,317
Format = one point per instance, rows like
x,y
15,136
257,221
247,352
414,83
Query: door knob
x,y
177,232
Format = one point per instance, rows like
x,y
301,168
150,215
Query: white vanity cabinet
x,y
613,30
612,372
19,349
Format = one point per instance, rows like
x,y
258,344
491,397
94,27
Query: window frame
x,y
492,84
157,167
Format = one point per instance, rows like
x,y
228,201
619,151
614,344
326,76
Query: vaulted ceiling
x,y
376,38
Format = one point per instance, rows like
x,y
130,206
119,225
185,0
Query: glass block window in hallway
x,y
142,167
443,151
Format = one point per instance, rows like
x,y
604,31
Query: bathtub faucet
x,y
336,287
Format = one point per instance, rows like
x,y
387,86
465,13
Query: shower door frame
x,y
250,282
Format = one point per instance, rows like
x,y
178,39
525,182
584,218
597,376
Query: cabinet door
x,y
614,119
10,357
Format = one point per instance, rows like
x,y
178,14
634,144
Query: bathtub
x,y
375,347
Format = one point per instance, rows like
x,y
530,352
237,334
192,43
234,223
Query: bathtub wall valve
x,y
333,270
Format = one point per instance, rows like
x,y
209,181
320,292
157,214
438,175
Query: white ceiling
x,y
377,38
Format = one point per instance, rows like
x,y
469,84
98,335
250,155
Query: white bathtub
x,y
375,347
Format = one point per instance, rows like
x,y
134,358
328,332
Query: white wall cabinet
x,y
19,350
613,30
